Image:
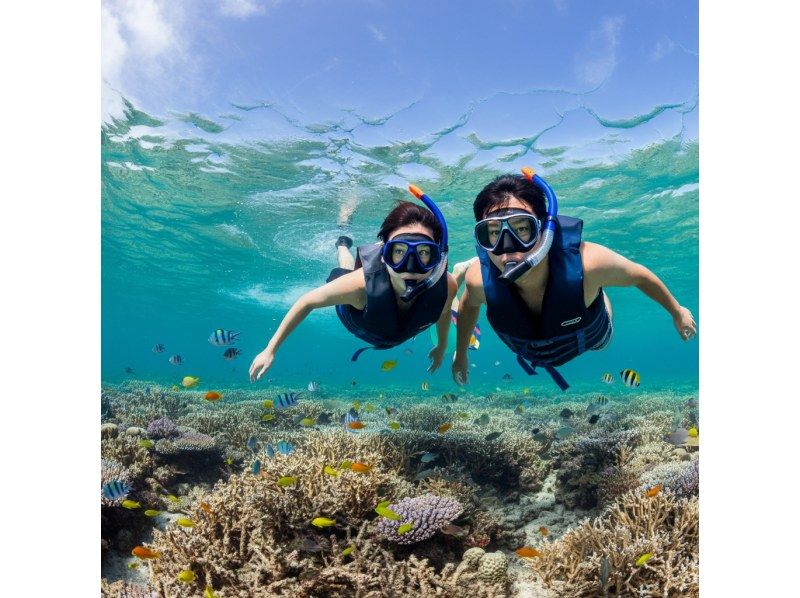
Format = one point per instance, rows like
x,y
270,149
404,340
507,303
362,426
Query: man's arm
x,y
469,308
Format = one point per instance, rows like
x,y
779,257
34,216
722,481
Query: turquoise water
x,y
223,222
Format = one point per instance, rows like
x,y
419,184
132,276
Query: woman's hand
x,y
460,368
684,323
436,355
261,364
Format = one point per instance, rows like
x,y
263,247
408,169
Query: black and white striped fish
x,y
350,417
116,490
231,353
287,399
220,337
159,348
176,360
630,378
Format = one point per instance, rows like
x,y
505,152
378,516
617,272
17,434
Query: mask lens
x,y
424,254
397,252
524,227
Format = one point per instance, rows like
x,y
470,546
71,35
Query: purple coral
x,y
163,427
428,514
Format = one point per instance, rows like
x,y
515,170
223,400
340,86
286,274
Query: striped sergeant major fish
x,y
630,378
220,337
176,360
116,490
287,399
159,348
350,417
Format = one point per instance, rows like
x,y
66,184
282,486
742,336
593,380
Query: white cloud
x,y
241,8
663,48
379,35
598,60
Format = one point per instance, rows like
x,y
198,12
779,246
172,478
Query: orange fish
x,y
145,553
360,467
206,508
213,396
653,491
356,425
527,552
543,531
445,427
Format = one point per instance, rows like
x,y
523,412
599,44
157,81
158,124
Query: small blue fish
x,y
176,360
285,448
231,353
252,443
256,467
159,348
285,400
220,337
270,451
116,489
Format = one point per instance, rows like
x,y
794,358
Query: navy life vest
x,y
566,327
380,323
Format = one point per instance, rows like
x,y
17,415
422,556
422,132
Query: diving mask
x,y
412,253
508,231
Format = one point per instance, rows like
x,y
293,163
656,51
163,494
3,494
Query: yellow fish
x,y
184,522
146,443
175,387
425,385
387,512
384,503
173,499
356,405
644,558
268,404
209,593
130,504
286,480
345,464
369,407
307,421
693,432
394,425
268,417
321,522
152,513
405,528
388,365
347,551
330,470
463,415
190,381
229,460
187,576
133,565
526,391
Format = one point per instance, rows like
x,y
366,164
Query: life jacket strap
x,y
530,369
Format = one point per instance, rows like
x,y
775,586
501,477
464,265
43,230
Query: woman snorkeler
x,y
394,290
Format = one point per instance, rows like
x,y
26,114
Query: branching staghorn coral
x,y
666,526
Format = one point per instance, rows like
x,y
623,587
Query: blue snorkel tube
x,y
513,270
416,287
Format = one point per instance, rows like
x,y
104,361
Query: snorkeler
x,y
542,285
394,289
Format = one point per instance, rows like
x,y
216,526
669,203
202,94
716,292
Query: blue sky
x,y
338,61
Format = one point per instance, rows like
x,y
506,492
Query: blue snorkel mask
x,y
417,253
520,231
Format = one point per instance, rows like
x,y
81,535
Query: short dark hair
x,y
497,194
406,213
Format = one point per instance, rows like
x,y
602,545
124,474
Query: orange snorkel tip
x,y
415,191
528,172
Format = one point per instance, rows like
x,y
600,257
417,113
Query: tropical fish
x,y
385,511
268,404
330,471
405,528
356,405
285,448
692,432
146,443
536,430
175,387
356,425
130,504
543,530
212,396
190,381
345,464
593,419
428,457
187,576
176,360
206,508
425,473
678,437
173,499
252,443
313,386
286,480
231,353
256,467
496,363
353,383
492,436
462,415
384,503
145,553
444,428
526,391
133,565
158,348
643,559
209,593
453,530
388,365
351,416
391,411
519,409
653,491
268,417
602,400
369,407
563,432
287,399
307,421
152,513
394,425
322,522
630,378
483,420
566,413
185,522
324,418
691,403
425,385
229,460
270,452
527,552
449,397
506,376
348,551
605,571
129,370
361,467
608,378
220,337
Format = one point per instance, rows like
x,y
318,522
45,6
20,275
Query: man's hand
x,y
460,369
684,323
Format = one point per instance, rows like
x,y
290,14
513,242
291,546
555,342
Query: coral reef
x,y
427,514
682,478
163,427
